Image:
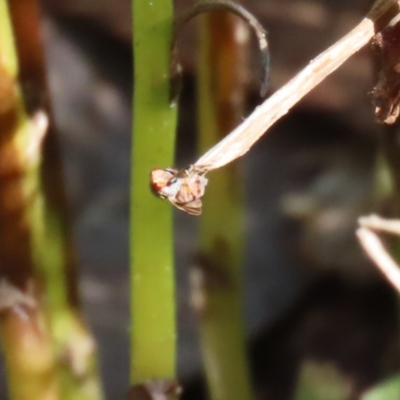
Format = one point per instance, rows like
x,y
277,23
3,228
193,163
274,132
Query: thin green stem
x,y
153,330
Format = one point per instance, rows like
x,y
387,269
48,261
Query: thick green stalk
x,y
27,345
52,249
153,330
43,243
222,73
73,344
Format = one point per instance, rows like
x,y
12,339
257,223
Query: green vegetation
x,y
153,331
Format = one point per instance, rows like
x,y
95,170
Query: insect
x,y
183,188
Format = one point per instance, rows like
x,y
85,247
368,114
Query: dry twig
x,y
381,257
377,223
241,139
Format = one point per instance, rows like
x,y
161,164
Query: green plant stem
x,y
49,249
73,344
53,252
31,373
153,330
222,74
27,345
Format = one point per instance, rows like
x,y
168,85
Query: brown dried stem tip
x,y
386,94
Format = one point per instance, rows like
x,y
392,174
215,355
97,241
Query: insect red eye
x,y
157,179
157,186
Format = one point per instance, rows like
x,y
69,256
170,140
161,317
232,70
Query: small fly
x,y
183,188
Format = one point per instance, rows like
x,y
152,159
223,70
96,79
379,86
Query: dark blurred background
x,y
311,294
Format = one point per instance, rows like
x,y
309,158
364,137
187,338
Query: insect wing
x,y
193,207
185,193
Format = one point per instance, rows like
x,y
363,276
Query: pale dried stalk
x,y
377,252
380,224
241,139
374,247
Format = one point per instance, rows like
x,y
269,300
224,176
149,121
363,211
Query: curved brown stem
x,y
219,5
